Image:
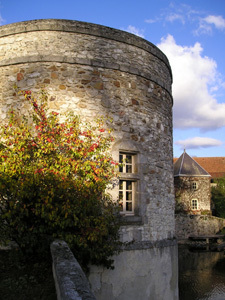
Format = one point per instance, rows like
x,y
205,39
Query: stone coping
x,y
149,244
70,281
84,28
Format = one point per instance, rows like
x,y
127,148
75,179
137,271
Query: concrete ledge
x,y
70,280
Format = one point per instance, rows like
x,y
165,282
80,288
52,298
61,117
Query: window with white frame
x,y
194,186
126,196
194,204
127,182
126,161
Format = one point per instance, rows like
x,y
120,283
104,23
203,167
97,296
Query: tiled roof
x,y
215,166
187,166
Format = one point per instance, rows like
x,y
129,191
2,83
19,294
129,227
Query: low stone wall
x,y
187,225
70,281
144,270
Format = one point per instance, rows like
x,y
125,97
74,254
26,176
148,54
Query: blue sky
x,y
192,35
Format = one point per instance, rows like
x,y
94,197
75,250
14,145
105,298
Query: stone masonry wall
x,y
184,194
196,225
95,70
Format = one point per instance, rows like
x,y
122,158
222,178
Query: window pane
x,y
129,206
129,159
121,200
121,162
129,196
129,185
121,184
128,168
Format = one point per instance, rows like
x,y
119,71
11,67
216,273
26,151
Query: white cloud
x,y
168,15
151,21
187,15
134,30
194,76
175,17
176,12
217,21
203,28
206,24
198,142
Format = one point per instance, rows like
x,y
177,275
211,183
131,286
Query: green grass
x,y
20,280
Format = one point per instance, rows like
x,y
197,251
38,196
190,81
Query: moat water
x,y
201,274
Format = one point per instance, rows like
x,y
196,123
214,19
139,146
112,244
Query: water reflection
x,y
201,274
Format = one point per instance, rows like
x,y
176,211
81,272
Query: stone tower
x,y
192,186
95,70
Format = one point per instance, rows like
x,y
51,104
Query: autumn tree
x,y
53,180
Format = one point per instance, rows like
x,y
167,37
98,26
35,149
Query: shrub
x,y
53,181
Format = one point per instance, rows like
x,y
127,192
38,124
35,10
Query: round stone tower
x,y
96,70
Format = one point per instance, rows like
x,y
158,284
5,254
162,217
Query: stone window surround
x,y
128,173
130,147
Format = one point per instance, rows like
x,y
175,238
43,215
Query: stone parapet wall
x,y
197,225
94,70
141,266
70,281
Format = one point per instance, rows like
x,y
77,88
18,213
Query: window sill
x,y
129,176
130,220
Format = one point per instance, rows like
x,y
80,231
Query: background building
x,y
193,198
192,186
